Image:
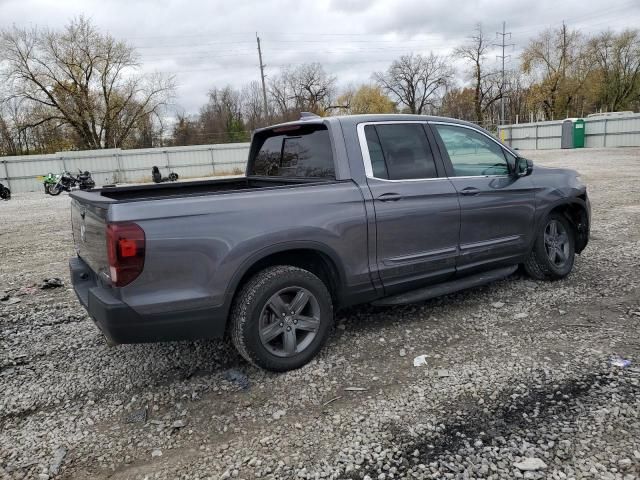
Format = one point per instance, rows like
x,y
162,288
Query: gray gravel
x,y
518,381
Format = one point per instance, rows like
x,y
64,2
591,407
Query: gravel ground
x,y
518,381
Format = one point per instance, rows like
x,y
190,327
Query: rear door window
x,y
302,152
400,151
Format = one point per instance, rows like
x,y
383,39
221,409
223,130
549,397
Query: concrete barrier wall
x,y
623,131
20,173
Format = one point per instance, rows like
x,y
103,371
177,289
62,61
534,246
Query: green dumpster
x,y
578,133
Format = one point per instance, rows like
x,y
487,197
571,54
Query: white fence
x,y
623,131
21,173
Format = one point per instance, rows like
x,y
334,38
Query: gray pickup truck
x,y
332,212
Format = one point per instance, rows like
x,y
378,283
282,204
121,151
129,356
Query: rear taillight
x,y
125,250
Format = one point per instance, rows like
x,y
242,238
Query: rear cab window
x,y
399,151
296,151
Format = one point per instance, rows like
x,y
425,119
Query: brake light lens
x,y
125,251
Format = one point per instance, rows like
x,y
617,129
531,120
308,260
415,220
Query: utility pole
x,y
264,87
504,45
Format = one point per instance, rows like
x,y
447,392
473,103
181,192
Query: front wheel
x,y
53,189
281,318
553,253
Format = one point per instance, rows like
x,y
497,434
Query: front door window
x,y
472,153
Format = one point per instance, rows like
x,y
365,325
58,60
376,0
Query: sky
x,y
212,43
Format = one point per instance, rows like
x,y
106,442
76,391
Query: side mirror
x,y
523,167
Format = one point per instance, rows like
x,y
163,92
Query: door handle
x,y
469,191
389,197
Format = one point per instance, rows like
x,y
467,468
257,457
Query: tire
x,y
541,263
53,190
263,336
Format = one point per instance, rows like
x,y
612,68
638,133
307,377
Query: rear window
x,y
303,152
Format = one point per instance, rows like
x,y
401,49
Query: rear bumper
x,y
122,324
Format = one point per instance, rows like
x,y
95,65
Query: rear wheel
x,y
281,318
553,253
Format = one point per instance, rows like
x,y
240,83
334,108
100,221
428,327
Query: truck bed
x,y
198,187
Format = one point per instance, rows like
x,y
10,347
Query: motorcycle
x,y
5,193
158,178
55,184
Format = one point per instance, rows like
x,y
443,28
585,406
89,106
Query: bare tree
x,y
185,131
253,106
221,118
280,95
617,72
487,88
416,80
82,79
304,88
558,60
312,87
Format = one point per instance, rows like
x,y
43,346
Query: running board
x,y
432,291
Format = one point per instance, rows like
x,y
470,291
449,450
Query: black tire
x,y
539,263
53,190
252,314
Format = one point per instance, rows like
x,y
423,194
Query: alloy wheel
x,y
556,243
289,321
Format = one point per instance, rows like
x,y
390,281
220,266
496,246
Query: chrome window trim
x,y
368,168
364,149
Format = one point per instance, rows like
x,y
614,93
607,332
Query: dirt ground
x,y
519,380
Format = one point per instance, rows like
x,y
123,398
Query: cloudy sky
x,y
207,43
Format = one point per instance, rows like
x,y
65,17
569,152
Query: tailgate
x,y
89,238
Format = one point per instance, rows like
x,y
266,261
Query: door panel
x,y
417,234
417,212
496,209
495,221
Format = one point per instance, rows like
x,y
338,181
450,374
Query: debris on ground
x,y
137,416
53,282
236,376
10,300
420,360
619,362
530,465
328,402
56,462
